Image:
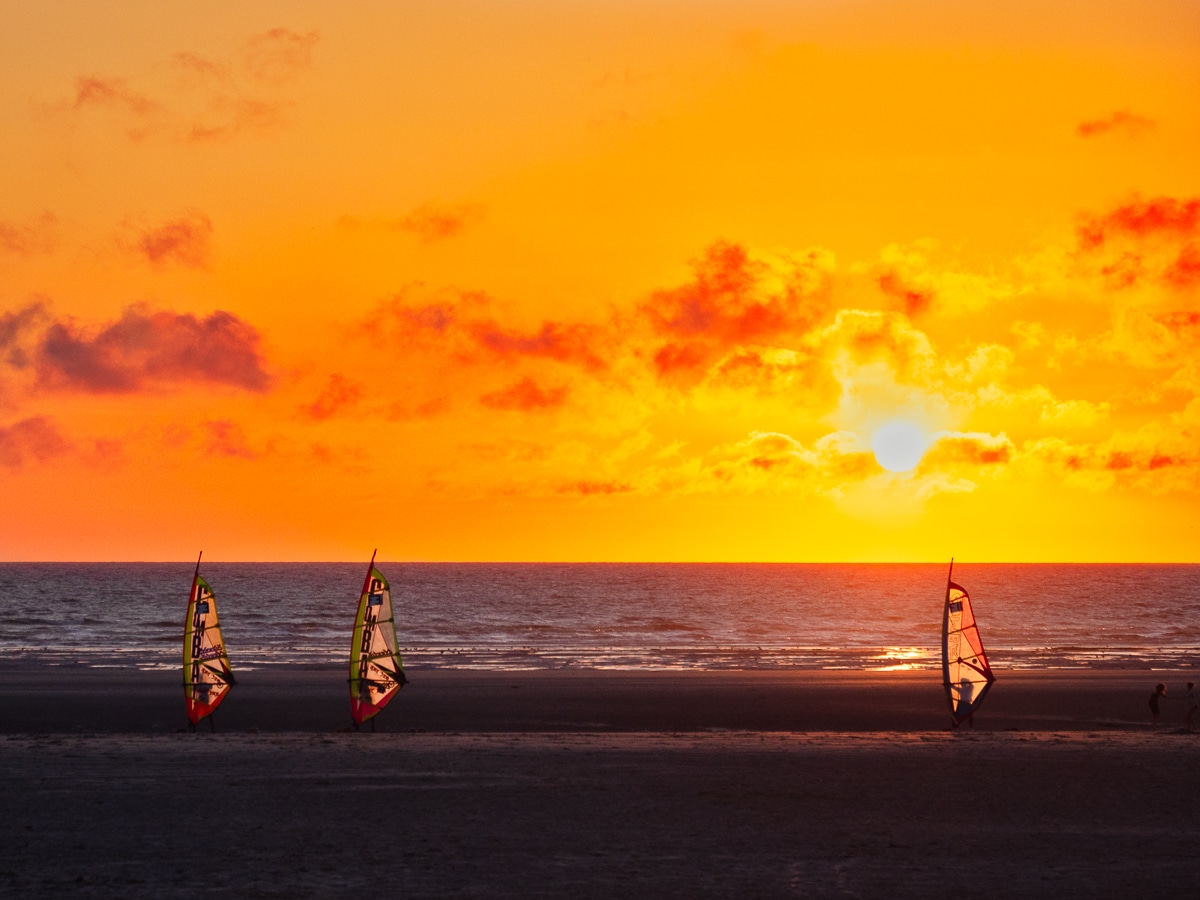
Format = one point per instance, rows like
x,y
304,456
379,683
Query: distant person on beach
x,y
1192,706
1160,690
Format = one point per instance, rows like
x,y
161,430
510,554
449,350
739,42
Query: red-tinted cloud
x,y
339,393
30,238
1122,121
973,448
914,299
92,90
34,439
430,222
147,350
1142,219
570,343
279,55
732,300
236,115
225,438
183,242
525,396
588,488
1184,272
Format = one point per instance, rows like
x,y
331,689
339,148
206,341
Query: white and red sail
x,y
207,676
376,672
965,671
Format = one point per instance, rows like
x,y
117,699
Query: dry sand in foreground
x,y
576,784
1076,814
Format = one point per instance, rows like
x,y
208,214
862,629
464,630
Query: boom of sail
x,y
965,670
376,673
207,676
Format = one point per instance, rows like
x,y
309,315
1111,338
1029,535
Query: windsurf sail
x,y
207,676
965,670
376,673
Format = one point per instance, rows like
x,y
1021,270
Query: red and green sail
x,y
376,673
207,676
965,670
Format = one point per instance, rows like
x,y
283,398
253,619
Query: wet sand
x,y
748,784
81,699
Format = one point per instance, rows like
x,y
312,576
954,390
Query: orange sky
x,y
599,280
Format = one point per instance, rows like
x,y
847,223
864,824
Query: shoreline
x,y
313,698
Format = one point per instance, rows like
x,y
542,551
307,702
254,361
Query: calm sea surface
x,y
612,616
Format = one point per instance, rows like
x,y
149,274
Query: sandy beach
x,y
585,784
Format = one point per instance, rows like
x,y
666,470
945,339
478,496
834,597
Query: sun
x,y
898,445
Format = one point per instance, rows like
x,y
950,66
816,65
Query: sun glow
x,y
898,446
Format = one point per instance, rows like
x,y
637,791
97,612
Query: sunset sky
x,y
600,280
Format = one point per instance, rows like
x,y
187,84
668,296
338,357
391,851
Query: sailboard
x,y
376,672
207,675
965,670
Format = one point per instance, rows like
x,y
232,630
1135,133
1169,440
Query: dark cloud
x,y
525,396
35,439
147,350
15,328
184,241
1122,121
339,393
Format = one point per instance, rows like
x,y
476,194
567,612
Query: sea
x,y
645,616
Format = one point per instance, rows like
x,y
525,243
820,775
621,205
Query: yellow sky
x,y
599,281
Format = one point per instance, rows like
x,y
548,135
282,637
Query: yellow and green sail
x,y
376,673
207,676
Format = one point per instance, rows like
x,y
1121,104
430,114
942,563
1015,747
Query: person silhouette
x,y
1192,705
1160,691
966,690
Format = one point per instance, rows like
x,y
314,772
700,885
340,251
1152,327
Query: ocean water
x,y
611,616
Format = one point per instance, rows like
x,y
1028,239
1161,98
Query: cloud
x,y
93,90
34,439
147,350
767,460
1150,460
226,438
184,241
430,222
30,238
1141,219
279,55
457,323
914,298
15,327
208,100
569,343
339,393
590,488
1122,121
972,448
525,396
735,300
915,282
